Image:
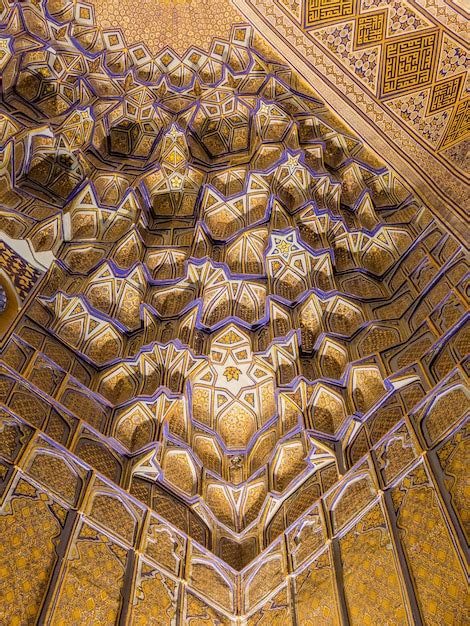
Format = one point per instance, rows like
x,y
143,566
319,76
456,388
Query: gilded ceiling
x,y
179,24
234,352
397,72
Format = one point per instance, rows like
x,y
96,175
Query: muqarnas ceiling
x,y
238,362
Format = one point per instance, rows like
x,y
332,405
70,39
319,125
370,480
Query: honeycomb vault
x,y
233,367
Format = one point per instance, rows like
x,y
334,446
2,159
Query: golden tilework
x,y
459,125
408,63
321,11
179,24
398,70
408,56
368,559
233,383
445,94
370,29
402,53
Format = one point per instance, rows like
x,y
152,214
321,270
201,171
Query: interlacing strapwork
x,y
233,383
